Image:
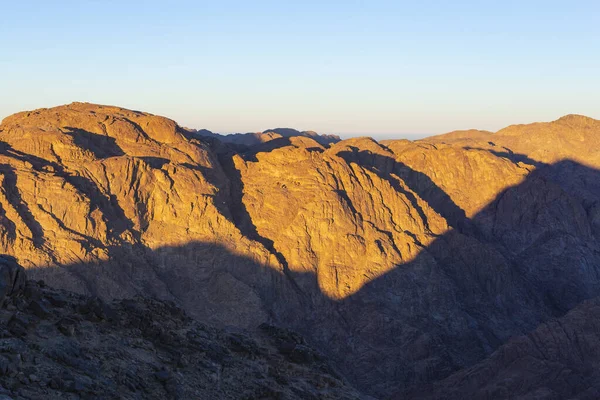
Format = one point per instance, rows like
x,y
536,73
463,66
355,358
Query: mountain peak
x,y
578,120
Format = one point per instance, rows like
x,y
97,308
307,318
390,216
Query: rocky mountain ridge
x,y
404,262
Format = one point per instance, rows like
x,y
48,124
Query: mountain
x,y
403,262
251,139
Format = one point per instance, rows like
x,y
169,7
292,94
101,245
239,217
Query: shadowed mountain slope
x,y
559,360
402,261
60,345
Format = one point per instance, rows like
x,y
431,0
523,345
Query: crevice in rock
x,y
14,197
241,217
113,215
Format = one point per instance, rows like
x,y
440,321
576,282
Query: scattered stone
x,y
96,310
57,300
67,326
69,346
39,309
20,323
241,344
32,292
303,355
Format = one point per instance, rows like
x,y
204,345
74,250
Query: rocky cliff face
x,y
403,261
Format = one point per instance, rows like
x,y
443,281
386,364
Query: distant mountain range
x,y
252,139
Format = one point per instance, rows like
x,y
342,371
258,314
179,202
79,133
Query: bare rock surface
x,y
404,262
60,345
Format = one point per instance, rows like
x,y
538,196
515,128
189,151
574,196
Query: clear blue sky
x,y
349,67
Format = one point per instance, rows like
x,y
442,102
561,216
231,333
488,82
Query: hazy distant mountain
x,y
252,139
407,263
470,134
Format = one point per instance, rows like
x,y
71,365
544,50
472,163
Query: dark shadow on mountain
x,y
510,155
157,162
102,146
576,179
532,256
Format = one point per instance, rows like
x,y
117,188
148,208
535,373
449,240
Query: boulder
x,y
12,277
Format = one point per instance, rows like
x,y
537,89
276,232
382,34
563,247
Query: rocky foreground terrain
x,y
60,345
410,265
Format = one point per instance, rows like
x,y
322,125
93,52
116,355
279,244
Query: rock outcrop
x,y
12,278
404,262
